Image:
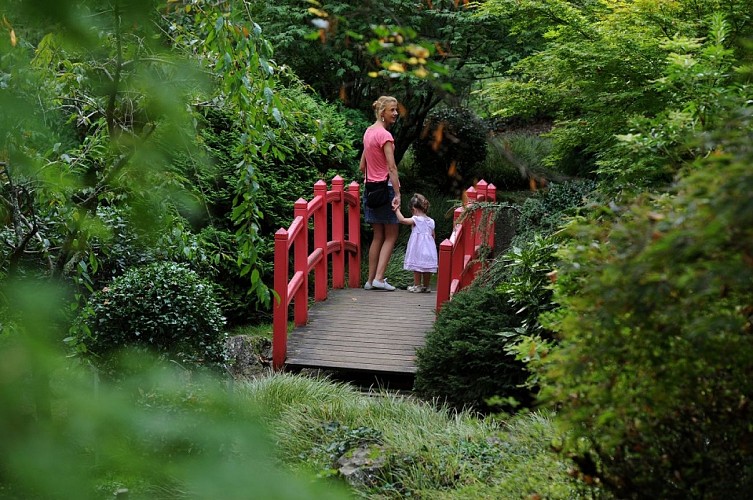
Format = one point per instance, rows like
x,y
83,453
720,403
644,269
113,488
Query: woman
x,y
378,164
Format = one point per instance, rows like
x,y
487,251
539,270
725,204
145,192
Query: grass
x,y
254,330
428,452
170,433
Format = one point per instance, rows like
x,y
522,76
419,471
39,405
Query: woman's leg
x,y
374,250
390,233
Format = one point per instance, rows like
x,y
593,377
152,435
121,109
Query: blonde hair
x,y
381,104
419,201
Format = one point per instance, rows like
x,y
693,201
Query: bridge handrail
x,y
295,289
458,254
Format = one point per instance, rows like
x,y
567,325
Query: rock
x,y
248,356
359,466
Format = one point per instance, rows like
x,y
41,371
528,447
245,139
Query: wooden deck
x,y
363,330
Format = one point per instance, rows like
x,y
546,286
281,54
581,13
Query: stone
x,y
360,466
248,356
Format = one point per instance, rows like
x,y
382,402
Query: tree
x,y
96,99
595,66
423,53
99,116
652,378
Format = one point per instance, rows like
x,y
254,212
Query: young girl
x,y
421,254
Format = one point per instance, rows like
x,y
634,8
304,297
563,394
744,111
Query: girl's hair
x,y
381,104
419,201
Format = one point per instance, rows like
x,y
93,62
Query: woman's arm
x,y
362,165
389,154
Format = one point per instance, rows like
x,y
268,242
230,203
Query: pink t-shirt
x,y
374,140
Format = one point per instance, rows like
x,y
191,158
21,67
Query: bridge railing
x,y
328,210
458,255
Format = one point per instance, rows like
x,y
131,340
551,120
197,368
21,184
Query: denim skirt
x,y
381,215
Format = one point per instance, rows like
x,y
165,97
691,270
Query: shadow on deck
x,y
363,331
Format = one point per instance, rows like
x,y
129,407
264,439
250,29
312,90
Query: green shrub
x,y
653,372
123,242
162,307
450,149
547,210
465,359
230,288
314,150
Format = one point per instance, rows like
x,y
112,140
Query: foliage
x,y
224,37
653,373
523,277
699,87
85,114
465,360
422,53
424,452
315,150
286,181
232,292
101,165
526,279
162,307
123,243
598,64
544,213
158,434
514,160
450,148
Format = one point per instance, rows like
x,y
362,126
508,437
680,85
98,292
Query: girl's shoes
x,y
419,289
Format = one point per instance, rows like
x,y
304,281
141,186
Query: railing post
x,y
321,274
300,264
456,269
479,232
354,236
491,195
469,247
444,273
280,317
296,237
338,232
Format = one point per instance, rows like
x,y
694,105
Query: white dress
x,y
421,254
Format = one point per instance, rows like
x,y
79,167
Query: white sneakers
x,y
383,285
380,285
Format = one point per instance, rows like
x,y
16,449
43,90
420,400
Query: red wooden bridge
x,y
347,327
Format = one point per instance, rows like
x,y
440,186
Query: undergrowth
x,y
416,449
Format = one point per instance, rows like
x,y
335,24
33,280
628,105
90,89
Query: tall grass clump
x,y
413,448
514,158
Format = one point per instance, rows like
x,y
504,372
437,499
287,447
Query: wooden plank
x,y
364,330
316,340
355,347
